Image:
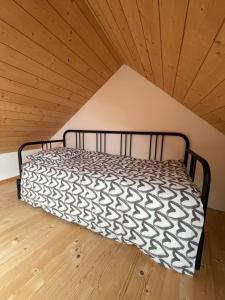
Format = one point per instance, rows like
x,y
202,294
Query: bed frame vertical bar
x,y
162,142
130,143
156,144
150,147
192,167
96,142
100,142
104,142
79,139
83,140
121,143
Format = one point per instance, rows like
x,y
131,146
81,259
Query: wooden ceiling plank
x,y
12,131
16,87
121,21
211,73
12,97
133,18
54,22
202,109
26,24
24,138
220,126
34,128
86,11
149,14
13,145
102,13
216,116
204,20
71,12
14,107
15,74
29,48
28,116
172,18
20,61
4,121
18,135
212,101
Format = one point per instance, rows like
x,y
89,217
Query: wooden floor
x,y
42,257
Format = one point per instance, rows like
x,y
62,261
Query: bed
x,y
151,203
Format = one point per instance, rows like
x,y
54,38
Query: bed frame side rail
x,y
44,145
206,175
204,194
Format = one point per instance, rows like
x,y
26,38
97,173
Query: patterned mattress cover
x,y
151,204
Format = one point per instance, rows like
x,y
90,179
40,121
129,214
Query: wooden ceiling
x,y
54,55
177,44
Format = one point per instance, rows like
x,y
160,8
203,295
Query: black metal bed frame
x,y
126,141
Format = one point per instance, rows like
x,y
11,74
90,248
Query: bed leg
x,y
199,253
18,188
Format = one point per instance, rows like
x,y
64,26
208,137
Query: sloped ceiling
x,y
54,55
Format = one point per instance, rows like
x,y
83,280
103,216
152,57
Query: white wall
x,y
130,102
9,164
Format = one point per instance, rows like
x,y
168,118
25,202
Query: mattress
x,y
151,204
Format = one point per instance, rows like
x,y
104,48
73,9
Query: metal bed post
x,y
20,158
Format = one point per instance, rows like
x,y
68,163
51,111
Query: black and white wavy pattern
x,y
153,205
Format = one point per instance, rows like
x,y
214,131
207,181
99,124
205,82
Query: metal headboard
x,y
126,141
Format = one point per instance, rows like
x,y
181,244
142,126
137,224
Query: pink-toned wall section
x,y
130,102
